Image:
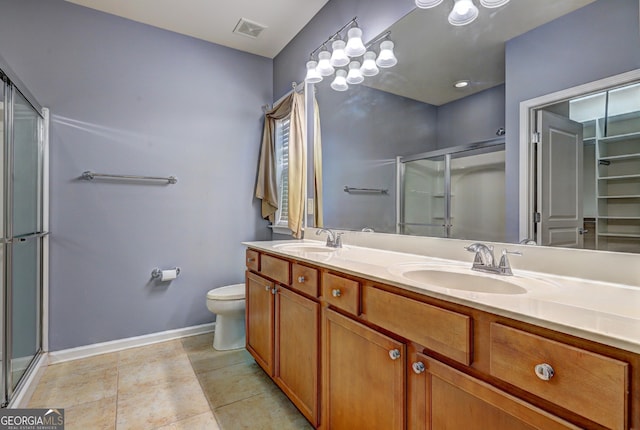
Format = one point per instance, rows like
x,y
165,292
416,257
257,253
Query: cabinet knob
x,y
544,371
267,288
394,354
301,279
336,293
274,290
418,367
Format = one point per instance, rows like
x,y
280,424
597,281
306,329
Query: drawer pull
x,y
394,354
544,371
251,260
336,293
418,367
301,279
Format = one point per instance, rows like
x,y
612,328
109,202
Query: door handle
x,y
582,231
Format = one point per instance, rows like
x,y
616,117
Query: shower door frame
x,y
12,392
447,153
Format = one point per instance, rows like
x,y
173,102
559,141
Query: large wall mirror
x,y
409,152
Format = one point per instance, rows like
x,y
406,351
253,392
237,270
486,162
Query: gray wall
x,y
597,41
471,119
130,98
363,131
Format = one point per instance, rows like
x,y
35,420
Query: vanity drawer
x,y
443,331
253,260
589,384
275,268
304,279
341,292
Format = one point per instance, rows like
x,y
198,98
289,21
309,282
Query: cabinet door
x,y
296,367
441,397
363,377
260,324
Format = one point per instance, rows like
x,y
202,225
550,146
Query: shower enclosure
x,y
457,192
22,231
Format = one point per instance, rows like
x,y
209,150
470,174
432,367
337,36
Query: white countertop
x,y
599,311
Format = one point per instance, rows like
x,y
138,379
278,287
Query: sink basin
x,y
305,247
464,281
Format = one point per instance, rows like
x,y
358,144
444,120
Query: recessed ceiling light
x,y
461,84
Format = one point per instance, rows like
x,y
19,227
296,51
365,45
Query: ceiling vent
x,y
248,28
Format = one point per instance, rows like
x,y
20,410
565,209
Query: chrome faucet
x,y
485,261
334,240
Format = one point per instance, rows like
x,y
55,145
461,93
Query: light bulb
x,y
313,75
427,4
355,75
464,12
493,3
355,47
338,57
386,57
324,64
369,67
340,81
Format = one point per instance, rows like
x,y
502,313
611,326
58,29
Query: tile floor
x,y
179,384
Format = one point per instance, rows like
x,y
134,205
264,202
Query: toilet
x,y
228,303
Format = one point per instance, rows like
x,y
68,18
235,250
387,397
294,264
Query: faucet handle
x,y
338,240
505,266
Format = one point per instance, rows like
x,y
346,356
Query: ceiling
x,y
432,54
215,20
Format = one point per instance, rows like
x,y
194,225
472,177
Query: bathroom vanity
x,y
360,338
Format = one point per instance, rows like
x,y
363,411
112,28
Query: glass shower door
x,y
425,200
478,194
25,230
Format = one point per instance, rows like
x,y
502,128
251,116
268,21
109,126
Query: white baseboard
x,y
130,342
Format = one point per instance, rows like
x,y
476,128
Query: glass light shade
x,y
313,75
369,67
386,57
427,4
464,12
493,3
340,81
355,47
324,64
355,75
339,58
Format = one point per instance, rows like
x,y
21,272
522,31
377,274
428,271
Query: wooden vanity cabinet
x,y
363,376
282,331
355,354
260,322
441,397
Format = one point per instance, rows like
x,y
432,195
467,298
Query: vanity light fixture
x,y
324,63
354,76
386,58
464,11
493,3
340,81
313,75
339,58
360,58
461,84
369,66
427,4
355,47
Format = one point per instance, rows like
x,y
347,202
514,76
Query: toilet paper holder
x,y
162,274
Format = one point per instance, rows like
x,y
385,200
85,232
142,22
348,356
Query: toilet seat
x,y
230,292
